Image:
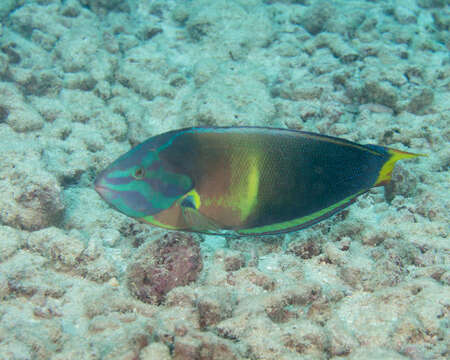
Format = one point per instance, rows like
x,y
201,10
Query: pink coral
x,y
170,261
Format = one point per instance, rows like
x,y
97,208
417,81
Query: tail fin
x,y
393,156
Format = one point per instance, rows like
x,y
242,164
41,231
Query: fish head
x,y
141,183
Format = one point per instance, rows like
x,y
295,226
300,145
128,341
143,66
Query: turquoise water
x,y
82,81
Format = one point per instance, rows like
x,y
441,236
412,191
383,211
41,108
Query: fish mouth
x,y
105,192
99,188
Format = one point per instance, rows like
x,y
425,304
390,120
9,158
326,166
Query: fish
x,y
243,181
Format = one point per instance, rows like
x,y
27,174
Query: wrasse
x,y
243,180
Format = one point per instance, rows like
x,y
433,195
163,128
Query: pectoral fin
x,y
196,220
199,222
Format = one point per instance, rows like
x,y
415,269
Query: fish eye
x,y
139,173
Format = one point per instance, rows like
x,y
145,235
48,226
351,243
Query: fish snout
x,y
99,184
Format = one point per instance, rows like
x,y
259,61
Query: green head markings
x,y
139,183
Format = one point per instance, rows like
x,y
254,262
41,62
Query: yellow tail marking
x,y
386,171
